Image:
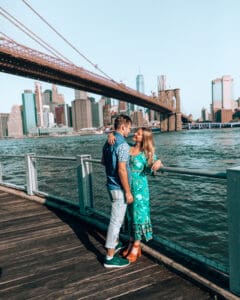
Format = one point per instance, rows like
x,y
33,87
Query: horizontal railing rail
x,y
84,169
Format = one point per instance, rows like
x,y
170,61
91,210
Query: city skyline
x,y
191,43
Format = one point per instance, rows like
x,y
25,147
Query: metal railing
x,y
83,166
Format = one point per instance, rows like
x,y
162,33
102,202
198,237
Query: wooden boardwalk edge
x,y
168,262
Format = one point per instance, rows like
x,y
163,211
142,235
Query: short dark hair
x,y
121,120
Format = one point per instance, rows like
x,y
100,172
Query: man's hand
x,y
129,197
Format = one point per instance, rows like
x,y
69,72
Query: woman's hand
x,y
111,138
157,165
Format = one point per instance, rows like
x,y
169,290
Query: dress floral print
x,y
139,211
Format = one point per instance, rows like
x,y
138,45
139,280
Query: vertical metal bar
x,y
1,172
31,174
233,197
84,173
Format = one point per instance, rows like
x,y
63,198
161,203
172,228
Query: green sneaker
x,y
116,262
118,247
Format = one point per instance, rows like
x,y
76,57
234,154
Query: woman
x,y
142,162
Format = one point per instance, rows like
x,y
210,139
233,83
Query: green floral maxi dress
x,y
138,213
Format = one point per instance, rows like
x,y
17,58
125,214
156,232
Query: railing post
x,y
85,191
31,174
1,172
233,197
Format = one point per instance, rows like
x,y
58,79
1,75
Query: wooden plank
x,y
45,254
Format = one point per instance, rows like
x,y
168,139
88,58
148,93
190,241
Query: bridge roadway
x,y
46,254
20,60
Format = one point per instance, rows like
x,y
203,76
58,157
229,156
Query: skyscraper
x,y
47,97
3,124
222,94
15,128
29,112
81,112
161,83
61,113
140,89
39,104
140,83
97,114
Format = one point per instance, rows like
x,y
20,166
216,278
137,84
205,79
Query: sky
x,y
191,42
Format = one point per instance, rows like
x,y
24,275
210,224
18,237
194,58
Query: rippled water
x,y
190,211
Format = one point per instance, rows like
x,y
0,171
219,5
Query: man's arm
x,y
123,175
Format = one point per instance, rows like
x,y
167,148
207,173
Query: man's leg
x,y
118,211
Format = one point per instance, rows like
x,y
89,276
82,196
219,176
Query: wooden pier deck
x,y
46,254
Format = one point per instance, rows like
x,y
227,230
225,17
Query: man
x,y
116,160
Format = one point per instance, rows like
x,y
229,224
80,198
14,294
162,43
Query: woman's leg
x,y
135,251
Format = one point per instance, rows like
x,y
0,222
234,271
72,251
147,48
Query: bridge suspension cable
x,y
69,43
31,34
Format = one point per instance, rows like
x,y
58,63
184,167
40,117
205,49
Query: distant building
x,y
39,104
97,114
52,98
140,88
236,115
15,127
81,112
137,119
61,115
47,97
222,95
29,112
70,123
46,119
107,120
238,103
3,125
162,83
205,115
223,115
123,107
57,99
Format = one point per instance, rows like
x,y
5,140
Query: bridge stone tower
x,y
171,122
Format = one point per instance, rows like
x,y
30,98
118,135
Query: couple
x,y
127,185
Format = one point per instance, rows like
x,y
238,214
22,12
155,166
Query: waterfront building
x,y
29,112
52,98
222,96
162,83
137,119
97,114
223,115
3,125
57,99
238,103
106,115
70,123
236,115
39,104
81,112
15,127
205,115
61,115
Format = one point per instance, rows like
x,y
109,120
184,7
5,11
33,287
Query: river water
x,y
190,211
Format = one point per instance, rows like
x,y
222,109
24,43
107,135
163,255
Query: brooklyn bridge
x,y
20,60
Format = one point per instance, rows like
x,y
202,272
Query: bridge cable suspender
x,y
32,35
63,38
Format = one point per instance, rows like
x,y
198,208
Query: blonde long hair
x,y
148,144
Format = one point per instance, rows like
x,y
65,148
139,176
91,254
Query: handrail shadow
x,y
83,231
